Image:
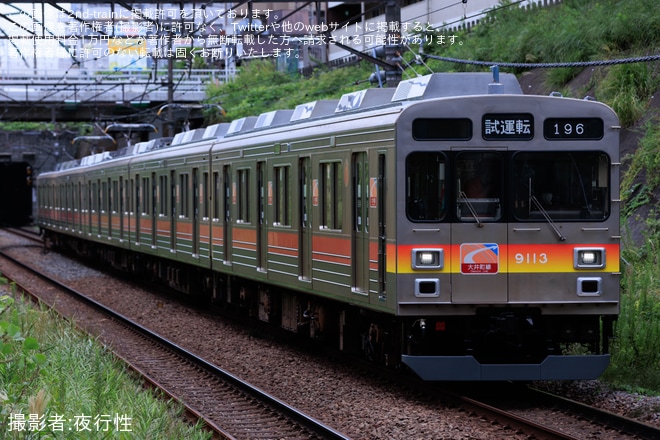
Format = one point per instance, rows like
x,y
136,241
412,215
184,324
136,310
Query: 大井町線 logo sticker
x,y
480,258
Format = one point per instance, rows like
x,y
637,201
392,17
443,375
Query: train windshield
x,y
561,186
425,186
479,185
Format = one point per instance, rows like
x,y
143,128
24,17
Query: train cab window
x,y
479,186
561,186
425,186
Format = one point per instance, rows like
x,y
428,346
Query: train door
x,y
360,223
112,206
379,203
154,214
227,193
173,196
90,206
195,211
138,208
107,205
122,198
80,219
305,219
262,238
478,232
98,205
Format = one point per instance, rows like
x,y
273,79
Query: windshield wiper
x,y
544,213
463,198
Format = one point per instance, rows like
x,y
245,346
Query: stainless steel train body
x,y
467,235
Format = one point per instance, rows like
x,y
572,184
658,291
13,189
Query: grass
x,y
636,350
76,387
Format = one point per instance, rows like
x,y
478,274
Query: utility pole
x,y
393,42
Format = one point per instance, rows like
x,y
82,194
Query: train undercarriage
x,y
492,336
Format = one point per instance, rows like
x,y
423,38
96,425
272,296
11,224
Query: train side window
x,y
96,194
205,196
104,196
145,193
243,195
115,196
331,192
570,185
282,196
425,186
163,196
154,194
479,186
217,196
183,195
138,194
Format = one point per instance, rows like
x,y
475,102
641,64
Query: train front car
x,y
507,231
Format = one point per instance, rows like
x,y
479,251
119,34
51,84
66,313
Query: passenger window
x,y
205,196
163,196
425,187
144,191
217,195
183,195
282,196
479,186
243,193
332,196
561,186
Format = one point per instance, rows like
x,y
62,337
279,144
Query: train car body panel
x,y
517,216
467,235
311,241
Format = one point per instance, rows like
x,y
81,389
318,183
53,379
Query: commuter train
x,y
452,226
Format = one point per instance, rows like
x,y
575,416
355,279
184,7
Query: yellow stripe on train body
x,y
513,258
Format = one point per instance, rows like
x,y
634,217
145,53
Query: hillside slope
x,y
583,84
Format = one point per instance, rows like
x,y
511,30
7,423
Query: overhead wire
x,y
630,60
59,87
34,20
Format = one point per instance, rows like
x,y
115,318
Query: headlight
x,y
427,259
589,258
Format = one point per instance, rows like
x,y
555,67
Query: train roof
x,y
444,85
437,85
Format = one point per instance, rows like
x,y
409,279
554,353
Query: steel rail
x,y
313,425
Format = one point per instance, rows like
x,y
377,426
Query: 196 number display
x,y
573,128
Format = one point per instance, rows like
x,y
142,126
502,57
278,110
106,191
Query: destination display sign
x,y
442,129
573,129
511,126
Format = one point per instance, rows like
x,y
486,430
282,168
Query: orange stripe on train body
x,y
283,243
331,249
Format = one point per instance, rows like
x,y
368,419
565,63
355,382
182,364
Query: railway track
x,y
156,363
229,406
529,408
